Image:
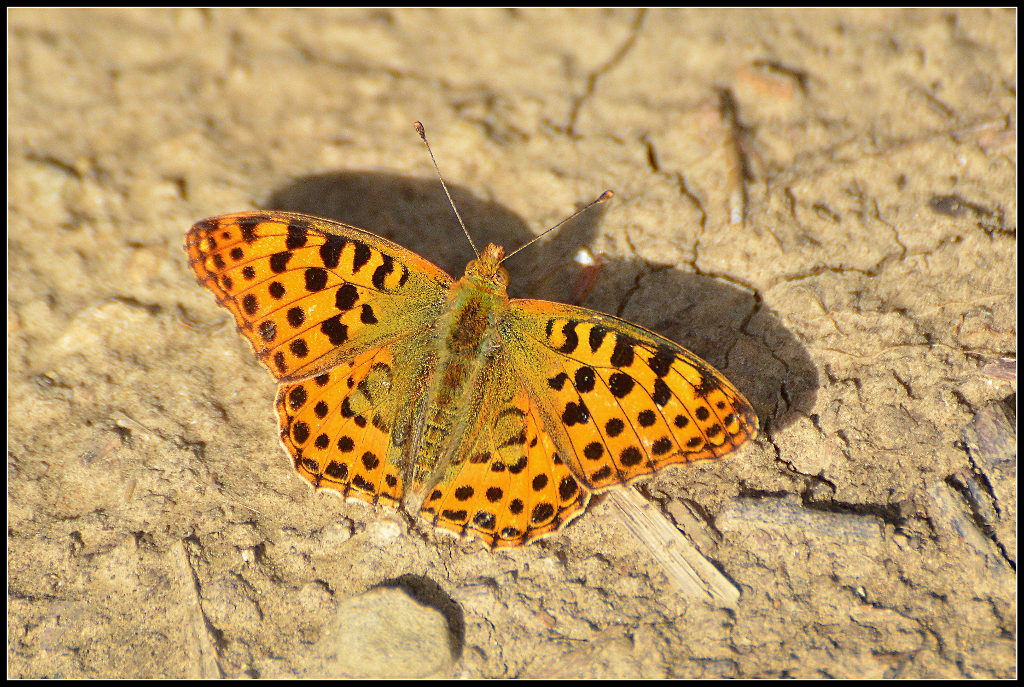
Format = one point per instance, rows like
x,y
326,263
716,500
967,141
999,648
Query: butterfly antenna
x,y
607,195
423,134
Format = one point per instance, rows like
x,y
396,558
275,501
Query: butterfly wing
x,y
338,426
310,293
332,311
621,401
508,483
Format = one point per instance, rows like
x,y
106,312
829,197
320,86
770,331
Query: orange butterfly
x,y
488,415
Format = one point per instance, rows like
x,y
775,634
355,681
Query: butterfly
x,y
491,416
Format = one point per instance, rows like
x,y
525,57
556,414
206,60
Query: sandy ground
x,y
822,204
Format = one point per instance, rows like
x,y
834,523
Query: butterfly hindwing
x,y
309,293
622,399
337,428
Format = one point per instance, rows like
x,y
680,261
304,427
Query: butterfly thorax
x,y
466,338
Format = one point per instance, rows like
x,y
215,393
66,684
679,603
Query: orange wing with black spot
x,y
620,400
309,293
337,428
329,309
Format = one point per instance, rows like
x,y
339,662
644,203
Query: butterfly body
x,y
490,416
465,345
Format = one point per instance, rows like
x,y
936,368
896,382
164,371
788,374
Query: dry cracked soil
x,y
820,203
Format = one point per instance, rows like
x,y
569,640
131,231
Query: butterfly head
x,y
488,267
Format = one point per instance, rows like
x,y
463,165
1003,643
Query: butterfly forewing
x,y
309,293
622,399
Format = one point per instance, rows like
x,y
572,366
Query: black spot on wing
x,y
622,355
330,251
661,361
386,267
297,236
361,256
572,340
596,338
